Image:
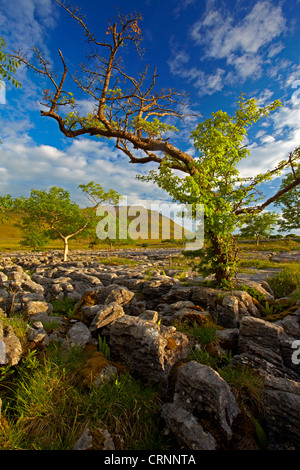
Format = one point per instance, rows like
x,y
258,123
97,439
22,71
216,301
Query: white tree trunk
x,y
66,248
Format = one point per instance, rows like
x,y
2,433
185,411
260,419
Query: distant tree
x,y
33,236
53,214
6,204
290,201
260,226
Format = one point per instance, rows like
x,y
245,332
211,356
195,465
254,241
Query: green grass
x,y
259,264
246,384
46,407
286,281
118,261
63,307
272,245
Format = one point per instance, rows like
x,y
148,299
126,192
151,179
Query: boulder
x,y
281,403
106,315
186,429
10,346
78,335
98,439
121,295
37,309
262,287
200,390
150,350
37,334
108,374
260,346
227,308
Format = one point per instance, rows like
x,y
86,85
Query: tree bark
x,y
225,254
66,248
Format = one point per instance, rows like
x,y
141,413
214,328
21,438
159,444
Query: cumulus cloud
x,y
29,21
245,46
25,165
269,149
223,37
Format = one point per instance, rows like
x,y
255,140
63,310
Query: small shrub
x,y
103,347
205,334
64,307
259,296
246,385
286,281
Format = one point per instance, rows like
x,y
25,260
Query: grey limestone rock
x,y
149,349
265,347
281,401
119,294
200,389
36,307
106,315
10,346
79,335
187,431
37,334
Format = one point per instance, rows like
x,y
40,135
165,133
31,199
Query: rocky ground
x,y
136,312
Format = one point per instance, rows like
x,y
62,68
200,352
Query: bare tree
x,y
124,104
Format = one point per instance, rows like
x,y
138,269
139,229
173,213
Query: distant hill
x,y
151,226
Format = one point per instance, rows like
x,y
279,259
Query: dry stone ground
x,y
136,313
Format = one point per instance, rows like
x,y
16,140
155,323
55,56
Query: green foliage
x,y
40,407
33,236
204,357
261,435
154,129
290,201
64,307
212,179
8,66
259,296
205,334
286,281
52,214
44,407
6,205
129,408
103,347
246,385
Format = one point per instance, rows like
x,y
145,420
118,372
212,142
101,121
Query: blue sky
x,y
214,50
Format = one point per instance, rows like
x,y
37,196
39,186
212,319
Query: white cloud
x,y
264,97
245,45
275,49
205,83
275,147
29,20
182,5
222,37
25,165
